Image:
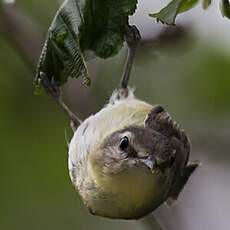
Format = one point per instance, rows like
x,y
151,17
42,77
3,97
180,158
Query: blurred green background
x,y
193,84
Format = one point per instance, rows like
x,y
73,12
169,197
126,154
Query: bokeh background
x,y
186,70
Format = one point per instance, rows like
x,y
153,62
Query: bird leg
x,y
132,38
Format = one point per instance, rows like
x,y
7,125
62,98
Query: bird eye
x,y
124,143
172,160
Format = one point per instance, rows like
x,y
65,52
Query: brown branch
x,y
21,32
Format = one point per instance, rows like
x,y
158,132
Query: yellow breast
x,y
128,195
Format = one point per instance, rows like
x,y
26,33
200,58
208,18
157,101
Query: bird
x,y
129,158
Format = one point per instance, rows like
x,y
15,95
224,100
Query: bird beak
x,y
149,162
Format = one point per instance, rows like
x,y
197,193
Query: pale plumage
x,y
125,183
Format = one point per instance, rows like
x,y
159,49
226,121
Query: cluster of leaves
x,y
80,29
85,28
169,13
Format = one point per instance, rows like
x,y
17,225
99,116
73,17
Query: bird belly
x,y
130,195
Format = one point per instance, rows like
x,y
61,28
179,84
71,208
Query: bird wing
x,y
159,120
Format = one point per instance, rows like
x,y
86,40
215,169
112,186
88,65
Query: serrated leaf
x,y
61,55
169,13
79,26
206,4
103,28
225,8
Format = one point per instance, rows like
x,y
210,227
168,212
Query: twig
x,y
150,223
132,38
22,33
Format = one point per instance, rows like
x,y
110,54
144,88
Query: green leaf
x,y
206,4
169,13
78,27
225,8
103,28
61,55
187,5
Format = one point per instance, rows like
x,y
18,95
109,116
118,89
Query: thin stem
x,y
55,92
75,121
132,37
128,68
150,223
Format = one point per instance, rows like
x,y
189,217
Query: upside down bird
x,y
130,157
